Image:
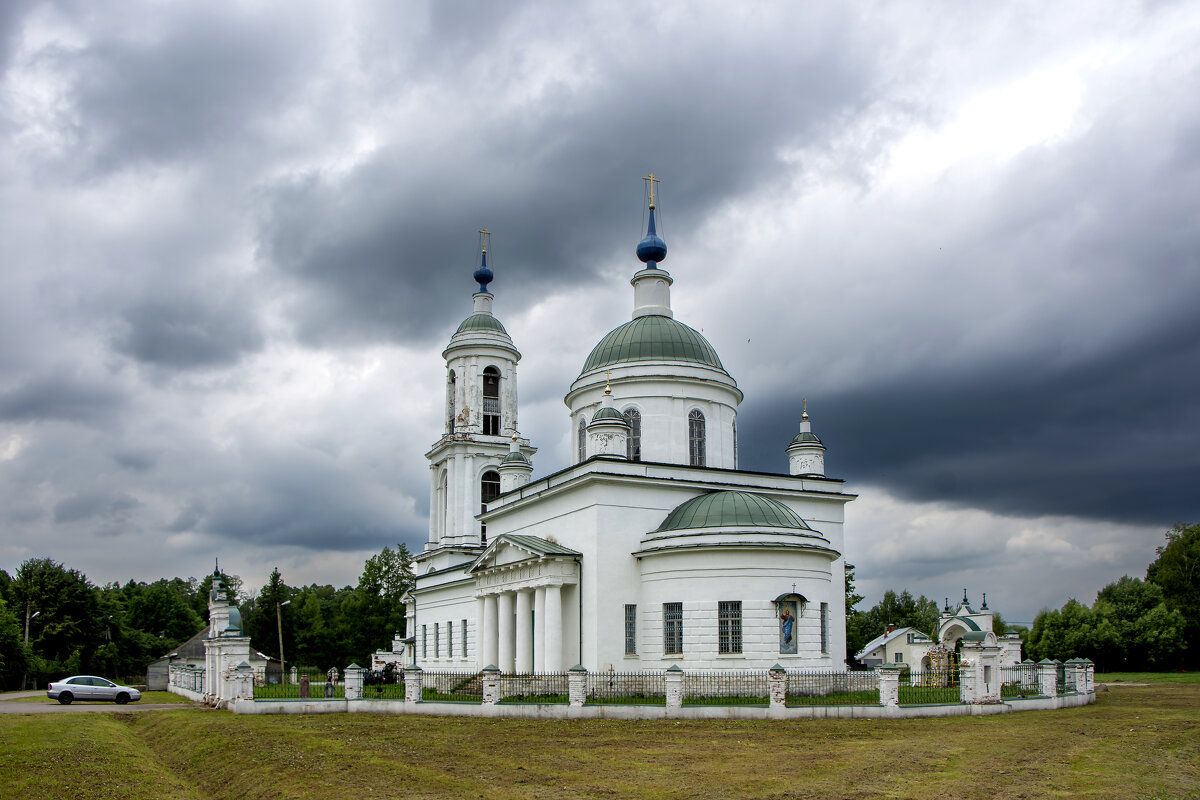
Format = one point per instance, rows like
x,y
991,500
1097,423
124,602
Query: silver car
x,y
89,687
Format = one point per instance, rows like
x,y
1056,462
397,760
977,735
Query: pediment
x,y
510,549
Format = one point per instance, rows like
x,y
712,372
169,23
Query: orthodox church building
x,y
652,548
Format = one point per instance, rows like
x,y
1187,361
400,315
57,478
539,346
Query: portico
x,y
520,582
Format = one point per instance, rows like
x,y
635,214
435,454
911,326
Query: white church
x,y
652,549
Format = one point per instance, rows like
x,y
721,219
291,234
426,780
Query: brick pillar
x,y
889,685
1047,677
1089,673
491,685
243,682
674,687
305,687
354,682
969,675
414,684
778,678
577,685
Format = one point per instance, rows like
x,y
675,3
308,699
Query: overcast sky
x,y
236,236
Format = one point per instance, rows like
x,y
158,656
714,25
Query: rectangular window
x,y
436,640
824,627
729,626
424,641
464,638
899,658
449,640
672,628
630,630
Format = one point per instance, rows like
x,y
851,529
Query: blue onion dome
x,y
483,275
651,249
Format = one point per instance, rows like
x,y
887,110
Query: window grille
x,y
436,641
450,391
729,626
582,447
824,627
424,641
491,402
633,445
696,438
449,640
672,628
464,638
489,490
630,629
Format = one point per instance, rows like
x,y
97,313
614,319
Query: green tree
x,y
1177,572
69,628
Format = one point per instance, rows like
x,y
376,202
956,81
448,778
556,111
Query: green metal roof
x,y
608,412
731,509
652,338
515,457
539,545
481,322
807,437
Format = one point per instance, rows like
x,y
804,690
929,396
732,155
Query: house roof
x,y
885,638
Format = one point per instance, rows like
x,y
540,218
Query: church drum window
x,y
489,490
633,444
450,401
672,628
630,629
696,438
582,445
491,402
729,626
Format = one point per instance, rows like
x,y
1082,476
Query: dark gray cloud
x,y
90,505
62,394
191,331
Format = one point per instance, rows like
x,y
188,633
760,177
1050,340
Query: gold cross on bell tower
x,y
484,233
653,180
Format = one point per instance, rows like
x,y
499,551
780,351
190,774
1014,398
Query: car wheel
x,y
122,699
65,698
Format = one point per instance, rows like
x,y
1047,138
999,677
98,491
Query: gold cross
x,y
653,180
805,401
485,233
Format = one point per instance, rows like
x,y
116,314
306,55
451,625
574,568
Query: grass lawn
x,y
1148,677
147,697
1137,743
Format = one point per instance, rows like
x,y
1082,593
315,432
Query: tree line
x,y
54,622
1133,625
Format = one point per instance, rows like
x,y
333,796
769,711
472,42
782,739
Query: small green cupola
x,y
806,453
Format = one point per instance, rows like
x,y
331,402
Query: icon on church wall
x,y
787,627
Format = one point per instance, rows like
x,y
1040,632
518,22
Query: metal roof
x,y
731,509
652,338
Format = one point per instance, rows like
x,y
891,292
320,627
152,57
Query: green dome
x,y
608,412
807,437
481,322
516,457
652,338
731,509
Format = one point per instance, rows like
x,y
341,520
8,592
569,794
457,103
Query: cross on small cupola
x,y
483,275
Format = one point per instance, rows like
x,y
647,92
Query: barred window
x,y
630,629
424,641
436,641
729,626
489,490
451,389
464,638
672,628
633,445
449,640
582,439
824,627
696,438
491,402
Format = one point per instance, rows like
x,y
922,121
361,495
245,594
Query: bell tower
x,y
480,421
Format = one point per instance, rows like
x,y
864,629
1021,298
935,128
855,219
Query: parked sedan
x,y
89,687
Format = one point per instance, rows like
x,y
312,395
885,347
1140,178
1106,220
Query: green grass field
x,y
1135,742
1148,677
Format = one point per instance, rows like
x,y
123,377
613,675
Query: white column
x,y
524,655
489,633
470,502
504,627
480,614
539,629
554,637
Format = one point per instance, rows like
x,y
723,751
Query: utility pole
x,y
28,607
279,623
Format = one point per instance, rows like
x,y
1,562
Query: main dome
x,y
731,509
652,338
481,322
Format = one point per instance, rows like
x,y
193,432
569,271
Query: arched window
x,y
491,402
489,490
633,445
582,446
451,386
696,438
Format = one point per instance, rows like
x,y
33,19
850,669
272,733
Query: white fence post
x,y
491,685
414,684
577,685
779,681
889,685
354,682
674,680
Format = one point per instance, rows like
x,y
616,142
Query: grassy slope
x,y
1148,677
1134,743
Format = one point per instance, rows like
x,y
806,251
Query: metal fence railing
x,y
727,688
534,687
451,687
643,688
931,687
1017,681
291,689
819,687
